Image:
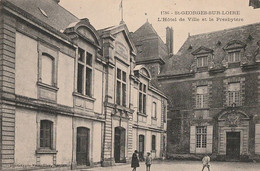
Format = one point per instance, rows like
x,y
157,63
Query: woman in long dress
x,y
135,160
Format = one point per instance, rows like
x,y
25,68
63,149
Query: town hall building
x,y
70,95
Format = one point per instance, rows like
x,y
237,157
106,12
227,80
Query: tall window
x,y
164,114
202,97
234,94
154,110
201,137
234,57
47,69
202,61
46,134
153,142
142,98
121,87
84,83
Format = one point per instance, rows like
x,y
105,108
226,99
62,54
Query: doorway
x,y
141,147
233,146
119,145
82,149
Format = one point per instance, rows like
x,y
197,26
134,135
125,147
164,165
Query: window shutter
x,y
192,139
257,138
209,138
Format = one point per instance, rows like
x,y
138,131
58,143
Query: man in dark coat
x,y
135,160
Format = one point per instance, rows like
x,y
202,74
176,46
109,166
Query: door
x,y
119,145
82,150
141,147
233,146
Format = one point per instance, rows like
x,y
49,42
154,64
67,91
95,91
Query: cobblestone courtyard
x,y
187,166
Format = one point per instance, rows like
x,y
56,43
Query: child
x,y
148,161
205,162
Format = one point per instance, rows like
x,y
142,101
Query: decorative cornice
x,y
177,76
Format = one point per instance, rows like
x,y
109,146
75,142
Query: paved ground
x,y
186,166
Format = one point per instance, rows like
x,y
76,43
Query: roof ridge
x,y
228,29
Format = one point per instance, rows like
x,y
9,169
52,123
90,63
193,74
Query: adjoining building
x,y
254,3
72,95
213,85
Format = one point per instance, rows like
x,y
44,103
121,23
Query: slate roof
x,y
150,51
216,41
57,17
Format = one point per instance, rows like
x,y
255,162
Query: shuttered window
x,y
257,138
46,134
201,139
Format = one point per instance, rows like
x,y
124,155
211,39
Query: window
x,y
164,114
153,142
202,61
154,110
84,82
120,87
47,69
202,97
234,57
46,134
201,137
234,94
142,98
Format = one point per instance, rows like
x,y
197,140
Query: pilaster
x,y
7,89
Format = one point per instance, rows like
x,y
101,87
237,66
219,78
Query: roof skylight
x,y
43,12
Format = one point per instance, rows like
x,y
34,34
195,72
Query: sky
x,y
105,13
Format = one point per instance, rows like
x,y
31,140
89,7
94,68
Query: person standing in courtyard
x,y
205,162
148,161
135,160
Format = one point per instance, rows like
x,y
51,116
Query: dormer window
x,y
202,61
234,57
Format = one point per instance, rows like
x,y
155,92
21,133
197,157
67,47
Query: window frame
x,y
83,86
154,110
202,100
232,96
201,137
43,55
121,87
51,51
234,56
44,139
142,98
153,146
204,61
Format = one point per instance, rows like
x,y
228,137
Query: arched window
x,y
47,69
46,134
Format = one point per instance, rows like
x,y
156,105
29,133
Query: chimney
x,y
57,1
169,39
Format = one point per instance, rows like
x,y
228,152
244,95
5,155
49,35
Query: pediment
x,y
235,44
84,29
232,115
86,33
202,50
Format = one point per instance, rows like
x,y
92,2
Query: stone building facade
x,y
213,88
72,95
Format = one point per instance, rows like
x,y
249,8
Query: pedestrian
x,y
148,161
135,160
205,162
